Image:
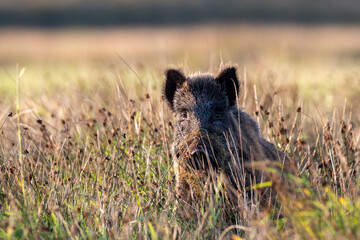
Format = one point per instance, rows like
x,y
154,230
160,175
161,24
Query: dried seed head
x,y
327,126
133,116
42,128
283,131
343,126
300,142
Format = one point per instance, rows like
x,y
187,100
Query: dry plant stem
x,y
256,103
233,227
18,77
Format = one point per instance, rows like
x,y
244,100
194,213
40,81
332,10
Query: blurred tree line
x,y
162,12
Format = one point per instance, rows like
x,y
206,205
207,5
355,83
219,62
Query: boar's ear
x,y
229,83
174,79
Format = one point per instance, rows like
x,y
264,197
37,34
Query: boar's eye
x,y
184,114
218,113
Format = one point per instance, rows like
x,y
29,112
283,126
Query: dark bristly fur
x,y
212,133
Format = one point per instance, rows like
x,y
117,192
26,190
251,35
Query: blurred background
x,y
69,13
308,50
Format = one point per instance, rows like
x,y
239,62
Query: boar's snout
x,y
202,160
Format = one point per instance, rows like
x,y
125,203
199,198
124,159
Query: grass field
x,y
86,138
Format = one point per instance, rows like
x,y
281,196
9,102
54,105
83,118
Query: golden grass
x,y
96,136
321,62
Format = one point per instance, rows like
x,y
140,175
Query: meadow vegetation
x,y
85,137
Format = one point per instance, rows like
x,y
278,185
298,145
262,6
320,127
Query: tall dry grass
x,y
96,135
